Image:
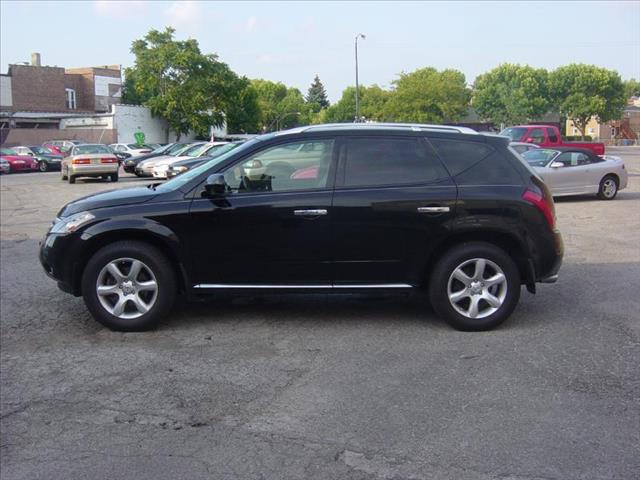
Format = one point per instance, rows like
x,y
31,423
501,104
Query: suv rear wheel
x,y
475,286
129,286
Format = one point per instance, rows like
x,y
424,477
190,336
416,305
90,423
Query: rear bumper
x,y
93,170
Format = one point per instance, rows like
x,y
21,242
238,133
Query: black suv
x,y
327,208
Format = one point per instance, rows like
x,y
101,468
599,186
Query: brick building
x,y
38,88
37,97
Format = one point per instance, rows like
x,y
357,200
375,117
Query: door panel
x,y
259,239
273,225
379,233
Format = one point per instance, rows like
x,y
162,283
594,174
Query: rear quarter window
x,y
475,163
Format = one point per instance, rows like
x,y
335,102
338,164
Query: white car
x,y
578,171
132,149
161,165
145,167
522,147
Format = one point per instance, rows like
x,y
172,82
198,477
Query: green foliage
x,y
179,83
280,107
372,103
243,110
583,91
631,88
317,96
512,94
428,96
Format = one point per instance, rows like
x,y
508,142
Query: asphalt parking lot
x,y
325,388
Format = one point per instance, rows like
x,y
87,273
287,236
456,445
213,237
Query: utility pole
x,y
360,35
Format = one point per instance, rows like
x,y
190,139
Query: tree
x,y
243,110
583,91
372,103
179,83
317,95
512,94
631,88
280,107
427,95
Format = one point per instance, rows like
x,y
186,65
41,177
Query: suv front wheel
x,y
129,286
475,286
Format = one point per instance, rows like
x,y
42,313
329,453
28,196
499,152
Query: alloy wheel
x,y
609,188
127,288
477,288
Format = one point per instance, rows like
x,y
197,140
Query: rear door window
x,y
380,161
475,163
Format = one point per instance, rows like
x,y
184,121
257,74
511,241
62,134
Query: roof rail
x,y
407,126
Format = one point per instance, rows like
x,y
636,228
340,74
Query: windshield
x,y
539,157
8,151
135,146
514,133
197,151
40,150
190,152
189,175
181,151
90,149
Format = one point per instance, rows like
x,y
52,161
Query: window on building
x,y
71,98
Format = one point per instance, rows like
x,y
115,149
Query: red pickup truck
x,y
547,136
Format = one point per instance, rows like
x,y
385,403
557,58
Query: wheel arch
x,y
167,245
506,241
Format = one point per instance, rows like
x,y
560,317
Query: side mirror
x,y
556,165
216,185
528,140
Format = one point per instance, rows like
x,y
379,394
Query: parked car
x,y
521,147
62,147
578,171
145,168
132,149
90,160
547,136
46,159
160,167
130,164
5,166
18,163
182,166
121,156
391,208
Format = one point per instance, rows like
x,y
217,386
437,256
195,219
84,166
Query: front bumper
x,y
59,257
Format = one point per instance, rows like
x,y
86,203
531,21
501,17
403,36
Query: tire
x,y
114,177
608,188
43,166
448,277
154,267
72,178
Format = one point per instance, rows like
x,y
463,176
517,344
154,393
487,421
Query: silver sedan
x,y
577,171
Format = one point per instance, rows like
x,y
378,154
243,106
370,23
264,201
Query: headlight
x,y
72,223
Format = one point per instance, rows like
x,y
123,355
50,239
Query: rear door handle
x,y
433,209
310,213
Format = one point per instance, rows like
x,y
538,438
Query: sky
x,y
291,42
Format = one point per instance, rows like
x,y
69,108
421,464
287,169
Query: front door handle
x,y
433,209
310,213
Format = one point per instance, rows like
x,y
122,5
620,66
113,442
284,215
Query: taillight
x,y
108,160
81,161
542,200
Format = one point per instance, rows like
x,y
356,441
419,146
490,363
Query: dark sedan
x,y
47,160
130,164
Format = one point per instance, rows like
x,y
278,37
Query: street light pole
x,y
360,35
